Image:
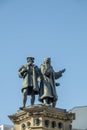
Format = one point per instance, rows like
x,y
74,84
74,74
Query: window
x,y
23,126
46,123
53,124
28,124
60,125
37,121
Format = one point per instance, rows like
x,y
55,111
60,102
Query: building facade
x,y
80,122
6,127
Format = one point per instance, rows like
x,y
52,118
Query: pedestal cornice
x,y
41,111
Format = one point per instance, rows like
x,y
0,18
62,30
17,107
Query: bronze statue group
x,y
39,81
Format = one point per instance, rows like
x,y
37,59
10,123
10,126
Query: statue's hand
x,y
57,84
63,70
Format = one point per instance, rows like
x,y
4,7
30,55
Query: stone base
x,y
40,117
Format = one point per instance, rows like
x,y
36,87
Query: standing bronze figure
x,y
30,74
48,94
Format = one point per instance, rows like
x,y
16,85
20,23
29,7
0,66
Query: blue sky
x,y
43,28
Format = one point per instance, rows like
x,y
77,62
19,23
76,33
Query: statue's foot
x,y
48,105
21,108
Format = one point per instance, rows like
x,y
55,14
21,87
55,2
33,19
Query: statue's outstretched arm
x,y
59,74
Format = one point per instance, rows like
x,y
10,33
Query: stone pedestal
x,y
40,117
